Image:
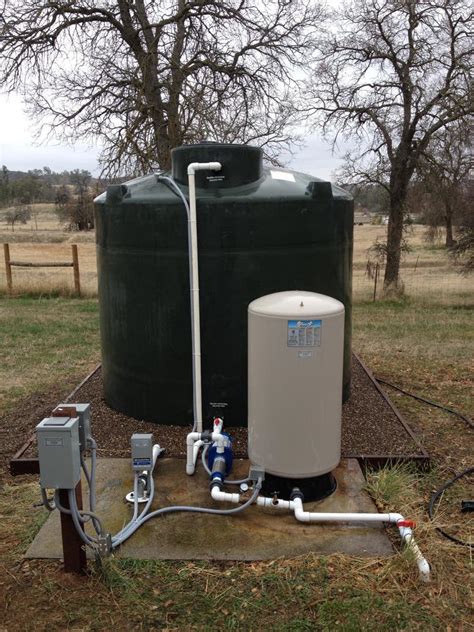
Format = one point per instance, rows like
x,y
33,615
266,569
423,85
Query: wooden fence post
x,y
74,553
8,267
376,279
75,264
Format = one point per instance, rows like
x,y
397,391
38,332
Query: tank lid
x,y
296,304
241,164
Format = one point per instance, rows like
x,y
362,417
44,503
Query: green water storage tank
x,y
260,231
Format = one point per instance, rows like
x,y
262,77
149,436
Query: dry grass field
x,y
43,239
428,272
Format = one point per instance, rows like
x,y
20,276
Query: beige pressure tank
x,y
295,364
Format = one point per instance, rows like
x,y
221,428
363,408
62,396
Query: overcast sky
x,y
19,151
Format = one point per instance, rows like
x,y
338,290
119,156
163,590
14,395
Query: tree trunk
x,y
394,242
401,173
449,226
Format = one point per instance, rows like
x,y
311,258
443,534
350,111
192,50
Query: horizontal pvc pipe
x,y
308,516
203,166
263,501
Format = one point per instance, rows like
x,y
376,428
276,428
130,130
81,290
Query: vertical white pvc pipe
x,y
195,308
194,288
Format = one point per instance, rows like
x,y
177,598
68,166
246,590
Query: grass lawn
x,y
44,341
426,348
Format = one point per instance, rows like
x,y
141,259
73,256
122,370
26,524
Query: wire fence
x,y
443,284
427,271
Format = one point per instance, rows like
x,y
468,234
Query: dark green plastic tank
x,y
259,231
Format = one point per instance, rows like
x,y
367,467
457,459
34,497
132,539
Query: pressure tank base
x,y
313,488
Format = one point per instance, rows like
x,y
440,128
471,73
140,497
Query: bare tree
x,y
444,172
77,210
146,76
20,213
391,75
463,248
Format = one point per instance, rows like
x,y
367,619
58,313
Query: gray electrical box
x,y
142,451
59,452
83,411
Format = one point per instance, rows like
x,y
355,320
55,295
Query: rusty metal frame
x,y
421,458
20,464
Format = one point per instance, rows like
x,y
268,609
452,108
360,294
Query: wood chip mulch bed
x,y
369,425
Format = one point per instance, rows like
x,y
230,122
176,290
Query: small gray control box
x,y
142,451
59,452
83,411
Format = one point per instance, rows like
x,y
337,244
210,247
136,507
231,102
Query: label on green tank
x,y
304,333
282,175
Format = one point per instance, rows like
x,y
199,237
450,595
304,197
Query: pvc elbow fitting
x,y
203,166
217,494
190,441
300,514
220,439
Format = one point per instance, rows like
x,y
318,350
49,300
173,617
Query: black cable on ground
x,y
436,495
466,419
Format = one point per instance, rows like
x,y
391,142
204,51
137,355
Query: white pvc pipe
x,y
155,454
422,563
263,501
197,446
394,518
217,494
156,450
191,440
296,505
307,516
194,288
219,438
218,424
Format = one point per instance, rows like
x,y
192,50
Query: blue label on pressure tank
x,y
304,333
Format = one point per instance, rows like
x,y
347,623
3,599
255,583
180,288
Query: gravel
x,y
369,425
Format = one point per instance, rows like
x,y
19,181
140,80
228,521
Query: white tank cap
x,y
296,304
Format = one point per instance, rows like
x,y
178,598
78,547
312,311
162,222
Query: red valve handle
x,y
406,523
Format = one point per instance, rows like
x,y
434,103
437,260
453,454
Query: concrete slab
x,y
255,534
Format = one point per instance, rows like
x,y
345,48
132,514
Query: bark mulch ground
x,y
369,425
